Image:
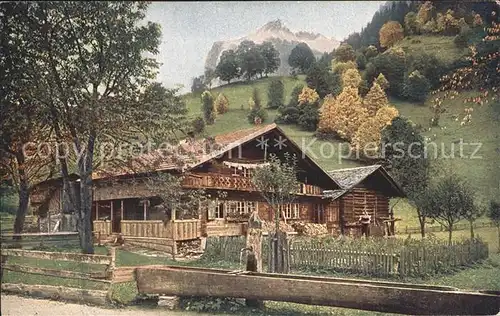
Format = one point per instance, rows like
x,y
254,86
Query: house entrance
x,y
116,208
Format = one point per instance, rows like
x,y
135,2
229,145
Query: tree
x,y
221,104
393,65
339,67
21,120
301,57
367,138
308,96
208,108
198,125
424,14
382,82
289,114
472,213
322,80
494,216
208,76
390,33
351,78
257,113
404,150
250,60
417,87
371,51
227,68
343,115
275,94
198,84
271,57
375,99
277,182
447,24
447,201
411,24
92,63
345,53
361,61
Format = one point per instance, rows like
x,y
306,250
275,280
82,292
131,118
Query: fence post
x,y
112,262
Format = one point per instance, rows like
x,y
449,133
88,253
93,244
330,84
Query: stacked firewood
x,y
269,226
310,229
190,248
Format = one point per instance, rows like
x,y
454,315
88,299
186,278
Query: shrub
x,y
341,67
417,87
309,117
361,61
207,107
257,116
275,94
221,104
198,125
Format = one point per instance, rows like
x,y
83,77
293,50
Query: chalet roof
x,y
196,154
350,177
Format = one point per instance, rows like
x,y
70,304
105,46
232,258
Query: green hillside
x,y
482,170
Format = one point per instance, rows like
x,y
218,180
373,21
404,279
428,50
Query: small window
x,y
219,210
290,210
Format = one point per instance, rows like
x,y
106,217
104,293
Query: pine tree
x,y
221,104
375,99
275,94
382,81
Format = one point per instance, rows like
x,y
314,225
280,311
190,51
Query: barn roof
x,y
348,178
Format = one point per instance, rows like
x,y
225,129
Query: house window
x,y
247,173
241,207
320,213
290,210
219,210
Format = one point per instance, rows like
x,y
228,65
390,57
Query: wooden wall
x,y
358,199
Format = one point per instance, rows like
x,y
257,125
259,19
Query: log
x,y
62,256
99,276
124,274
93,297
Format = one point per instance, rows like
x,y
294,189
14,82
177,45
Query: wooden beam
x,y
96,211
121,210
58,273
65,293
144,209
111,208
63,256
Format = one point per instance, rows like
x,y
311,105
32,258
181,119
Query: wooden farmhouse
x,y
122,204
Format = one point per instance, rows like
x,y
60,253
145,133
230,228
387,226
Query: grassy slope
x,y
482,173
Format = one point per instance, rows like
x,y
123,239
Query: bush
x,y
417,87
462,39
257,116
221,104
198,125
288,115
392,65
361,61
309,117
275,94
429,66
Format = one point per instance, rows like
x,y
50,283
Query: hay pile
x,y
268,226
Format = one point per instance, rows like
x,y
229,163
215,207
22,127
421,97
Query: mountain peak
x,y
276,25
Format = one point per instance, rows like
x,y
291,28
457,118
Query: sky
x,y
190,28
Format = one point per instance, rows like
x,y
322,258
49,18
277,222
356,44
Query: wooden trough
x,y
358,294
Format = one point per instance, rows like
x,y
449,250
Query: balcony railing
x,y
216,181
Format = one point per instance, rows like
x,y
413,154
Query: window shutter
x,y
211,209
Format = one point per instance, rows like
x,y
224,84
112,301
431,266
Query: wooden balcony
x,y
225,182
176,230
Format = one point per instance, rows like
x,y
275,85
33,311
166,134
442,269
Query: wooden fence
x,y
39,240
11,259
441,228
416,260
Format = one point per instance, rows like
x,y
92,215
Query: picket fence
x,y
415,260
441,228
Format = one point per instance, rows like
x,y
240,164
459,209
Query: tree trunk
x,y
23,191
498,229
471,229
450,231
421,220
85,168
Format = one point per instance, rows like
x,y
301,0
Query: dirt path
x,y
21,306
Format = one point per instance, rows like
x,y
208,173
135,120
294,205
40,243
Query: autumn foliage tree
x,y
351,78
308,95
375,99
221,104
382,81
390,33
342,115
